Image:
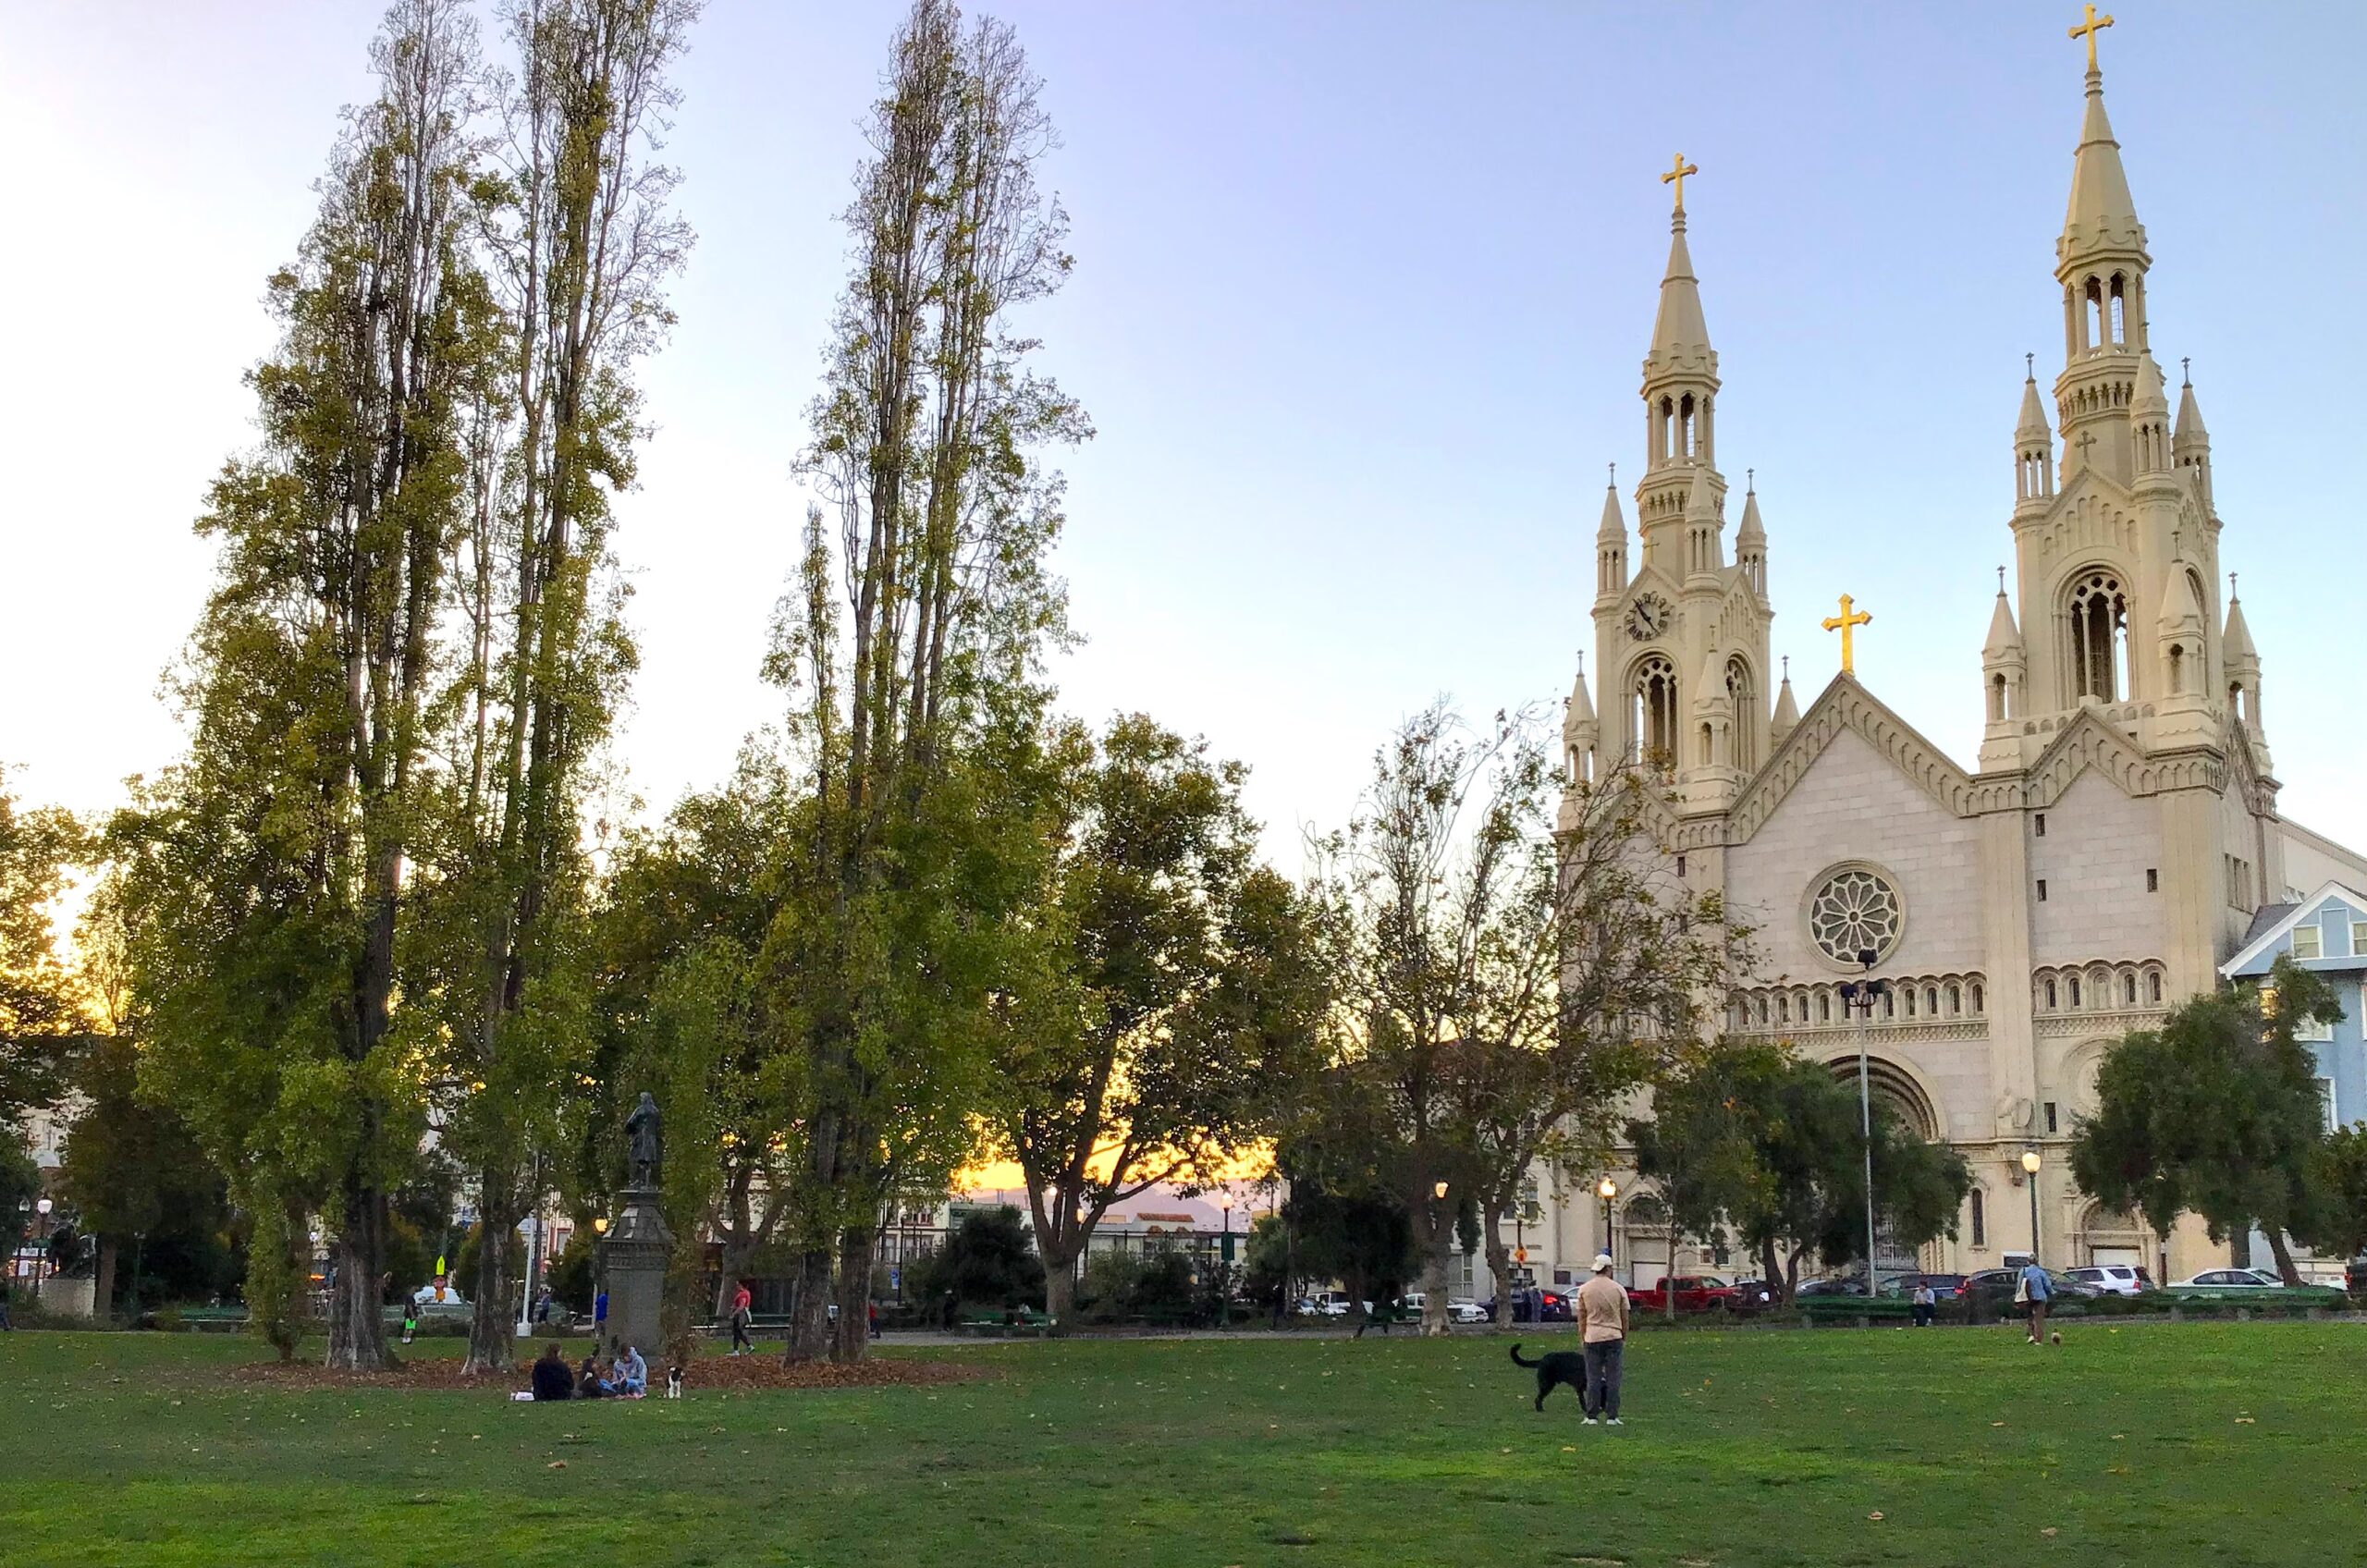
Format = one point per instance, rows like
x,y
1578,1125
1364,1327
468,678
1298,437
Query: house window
x,y
1980,1220
2308,941
2313,1030
2152,880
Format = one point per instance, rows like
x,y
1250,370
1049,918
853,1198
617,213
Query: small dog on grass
x,y
673,1382
1556,1366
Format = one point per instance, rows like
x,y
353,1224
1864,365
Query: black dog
x,y
1556,1366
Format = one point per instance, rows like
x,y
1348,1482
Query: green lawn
x,y
2148,1443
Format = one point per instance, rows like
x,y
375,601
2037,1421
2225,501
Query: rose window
x,y
1854,913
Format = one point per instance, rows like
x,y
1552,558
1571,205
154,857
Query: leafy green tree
x,y
131,1168
40,1017
1180,1002
916,689
1507,972
988,1260
2339,1227
1753,1141
270,865
2217,1111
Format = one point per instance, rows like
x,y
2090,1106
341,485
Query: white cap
x,y
1602,1263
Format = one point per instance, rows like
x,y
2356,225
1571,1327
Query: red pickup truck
x,y
1695,1292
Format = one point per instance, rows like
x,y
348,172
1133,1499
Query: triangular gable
x,y
1845,705
2086,741
2248,961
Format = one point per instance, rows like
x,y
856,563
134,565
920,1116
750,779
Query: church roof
x,y
1680,335
2101,217
1701,499
1788,709
1751,528
2235,641
2005,637
2182,611
1710,690
1614,525
2032,426
1579,713
2152,397
2190,425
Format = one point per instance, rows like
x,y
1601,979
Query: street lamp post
x,y
1224,1264
1859,995
1607,1190
2030,1162
41,1261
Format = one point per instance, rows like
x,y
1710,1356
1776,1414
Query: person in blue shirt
x,y
2035,1290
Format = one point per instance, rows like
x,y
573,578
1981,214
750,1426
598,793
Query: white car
x,y
2240,1279
1334,1304
1465,1312
2113,1279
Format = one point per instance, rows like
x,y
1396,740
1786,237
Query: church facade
x,y
2100,859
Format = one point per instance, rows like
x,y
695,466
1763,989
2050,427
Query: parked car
x,y
1994,1288
1531,1305
1838,1287
1906,1284
1333,1304
2354,1275
1457,1310
1752,1295
2236,1278
2116,1278
1695,1292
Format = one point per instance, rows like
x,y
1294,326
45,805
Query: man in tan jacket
x,y
1602,1326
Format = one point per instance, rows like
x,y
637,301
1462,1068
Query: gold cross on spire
x,y
1676,175
1843,623
2089,29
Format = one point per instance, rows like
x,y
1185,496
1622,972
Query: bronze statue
x,y
645,1142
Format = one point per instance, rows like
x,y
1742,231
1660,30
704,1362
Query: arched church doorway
x,y
2113,1236
1890,1085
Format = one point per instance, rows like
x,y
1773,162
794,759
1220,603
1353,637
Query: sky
x,y
1359,305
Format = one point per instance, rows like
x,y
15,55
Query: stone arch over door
x,y
1893,1083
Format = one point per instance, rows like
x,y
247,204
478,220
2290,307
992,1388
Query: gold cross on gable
x,y
2093,25
1843,623
1676,175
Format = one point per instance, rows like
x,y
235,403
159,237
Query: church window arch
x,y
2118,311
1931,1001
2154,986
1743,692
1909,993
1997,696
1652,711
2071,990
1824,1007
1783,1010
1688,446
1668,427
2177,668
1955,1001
2050,996
2098,613
1976,997
2092,316
2129,990
1979,1217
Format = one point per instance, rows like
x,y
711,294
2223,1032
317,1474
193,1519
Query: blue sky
x,y
1360,299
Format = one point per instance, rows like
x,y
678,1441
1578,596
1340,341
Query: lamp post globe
x,y
2030,1163
1606,1190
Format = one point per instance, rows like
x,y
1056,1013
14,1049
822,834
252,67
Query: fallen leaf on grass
x,y
2048,1531
555,1465
1876,1516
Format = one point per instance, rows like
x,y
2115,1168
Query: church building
x,y
2101,857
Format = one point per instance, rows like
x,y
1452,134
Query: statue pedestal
x,y
634,1256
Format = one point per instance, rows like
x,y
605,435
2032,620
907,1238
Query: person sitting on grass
x,y
552,1380
589,1384
633,1373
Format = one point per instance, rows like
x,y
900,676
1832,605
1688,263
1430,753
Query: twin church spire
x,y
2115,536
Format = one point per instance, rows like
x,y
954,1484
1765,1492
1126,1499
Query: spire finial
x,y
2231,585
1615,476
2089,29
2001,581
2030,367
1582,664
1788,667
2185,369
1751,481
1675,177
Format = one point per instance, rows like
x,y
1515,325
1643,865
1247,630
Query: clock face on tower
x,y
1648,616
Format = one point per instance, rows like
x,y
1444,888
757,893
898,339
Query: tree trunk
x,y
1772,1269
357,1329
1499,1261
492,1338
103,1287
2285,1269
809,1319
1434,1319
852,1341
1059,1289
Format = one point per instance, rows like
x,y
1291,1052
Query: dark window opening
x,y
2042,889
2152,879
2039,825
2050,1117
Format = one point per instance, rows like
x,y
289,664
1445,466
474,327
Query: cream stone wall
x,y
2311,862
2098,846
1853,804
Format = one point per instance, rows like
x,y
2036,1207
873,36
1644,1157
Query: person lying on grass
x,y
589,1384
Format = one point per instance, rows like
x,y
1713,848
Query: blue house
x,y
2325,932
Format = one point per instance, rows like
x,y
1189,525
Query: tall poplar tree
x,y
914,644
267,870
